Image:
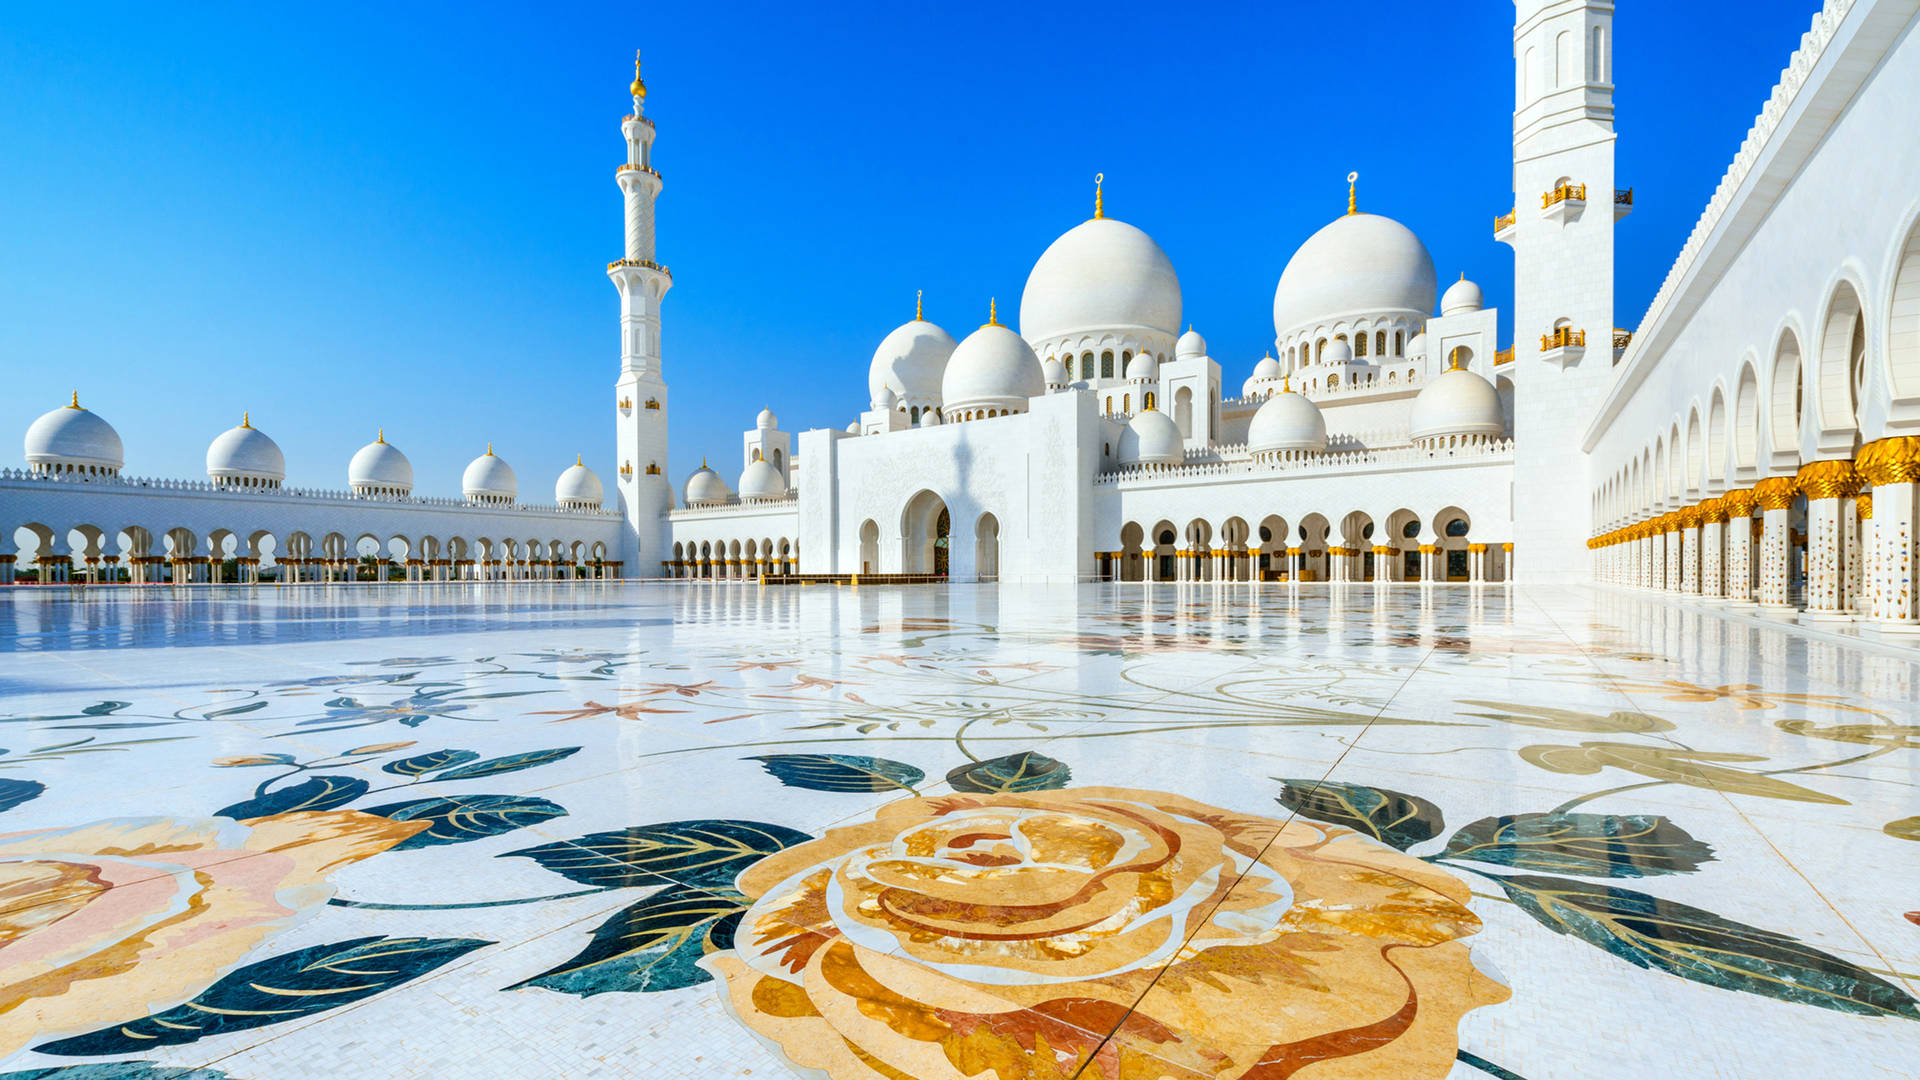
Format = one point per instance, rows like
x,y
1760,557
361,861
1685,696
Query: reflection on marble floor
x,y
1104,832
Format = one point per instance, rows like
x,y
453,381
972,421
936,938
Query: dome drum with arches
x,y
1359,266
1101,279
73,441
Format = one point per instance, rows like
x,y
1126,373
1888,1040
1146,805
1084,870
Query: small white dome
x,y
246,455
71,436
489,479
910,362
1458,402
1143,367
1054,372
1267,368
578,487
766,421
992,368
1361,264
379,468
853,428
1190,345
1461,297
1101,274
1336,353
1151,438
705,488
1287,422
930,418
887,399
760,480
1417,348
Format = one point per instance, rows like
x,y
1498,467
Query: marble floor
x,y
1017,833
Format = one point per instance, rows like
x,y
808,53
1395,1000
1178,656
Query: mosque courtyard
x,y
1104,831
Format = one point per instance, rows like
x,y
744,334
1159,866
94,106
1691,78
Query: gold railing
x,y
649,264
1577,192
1623,198
1563,338
1504,356
1622,338
650,170
1505,220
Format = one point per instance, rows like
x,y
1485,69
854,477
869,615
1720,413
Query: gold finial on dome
x,y
639,87
75,403
246,419
1099,208
1353,205
993,311
577,460
489,449
382,437
919,305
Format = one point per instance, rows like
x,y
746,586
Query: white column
x,y
1774,495
1690,552
1713,585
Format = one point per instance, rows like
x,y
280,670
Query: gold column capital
x,y
1831,479
1890,461
1775,492
1737,503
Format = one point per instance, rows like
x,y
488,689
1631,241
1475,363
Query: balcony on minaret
x,y
1564,202
1503,226
1622,203
1621,339
1563,345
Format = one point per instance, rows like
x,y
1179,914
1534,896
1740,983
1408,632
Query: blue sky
x,y
350,217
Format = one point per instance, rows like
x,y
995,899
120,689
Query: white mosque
x,y
1756,441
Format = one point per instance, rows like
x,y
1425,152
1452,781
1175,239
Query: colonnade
x,y
1738,547
1485,563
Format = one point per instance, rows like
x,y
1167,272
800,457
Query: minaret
x,y
1561,229
641,394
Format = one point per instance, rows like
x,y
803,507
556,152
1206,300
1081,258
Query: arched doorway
x,y
986,551
925,529
869,546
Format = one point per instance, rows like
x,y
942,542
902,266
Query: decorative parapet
x,y
1564,193
647,263
1491,453
1504,356
1564,337
1794,76
1505,221
143,484
788,503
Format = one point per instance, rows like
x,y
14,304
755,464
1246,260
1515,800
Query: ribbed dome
x,y
245,455
72,437
1459,402
1361,264
1190,345
1151,438
766,421
910,361
760,480
705,488
1288,422
489,479
992,368
1100,275
379,468
1143,367
578,487
1461,297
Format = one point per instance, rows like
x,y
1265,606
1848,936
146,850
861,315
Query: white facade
x,y
1386,436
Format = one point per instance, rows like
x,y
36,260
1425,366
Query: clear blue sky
x,y
345,217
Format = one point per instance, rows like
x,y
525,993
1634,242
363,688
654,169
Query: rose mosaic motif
x,y
104,921
1011,934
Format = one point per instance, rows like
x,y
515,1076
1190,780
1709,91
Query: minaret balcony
x,y
646,264
1563,346
1622,203
1621,339
1503,226
1564,203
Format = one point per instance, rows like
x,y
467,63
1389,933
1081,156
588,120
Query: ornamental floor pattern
x,y
1098,831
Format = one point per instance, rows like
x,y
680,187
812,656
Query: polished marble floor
x,y
1106,831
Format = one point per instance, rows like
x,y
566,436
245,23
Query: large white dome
x,y
1101,275
578,487
1287,422
760,480
1458,402
379,468
910,361
1362,264
993,368
72,437
705,488
245,455
1151,438
489,479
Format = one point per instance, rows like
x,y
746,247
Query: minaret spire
x,y
640,394
919,305
1099,209
1353,205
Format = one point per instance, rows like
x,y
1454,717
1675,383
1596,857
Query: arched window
x,y
1457,527
1333,381
1106,365
1086,365
1126,357
1126,402
1380,343
1399,343
913,414
1360,344
1148,403
1109,404
1320,350
756,455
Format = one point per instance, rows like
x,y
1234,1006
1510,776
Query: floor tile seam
x,y
1238,880
1736,808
